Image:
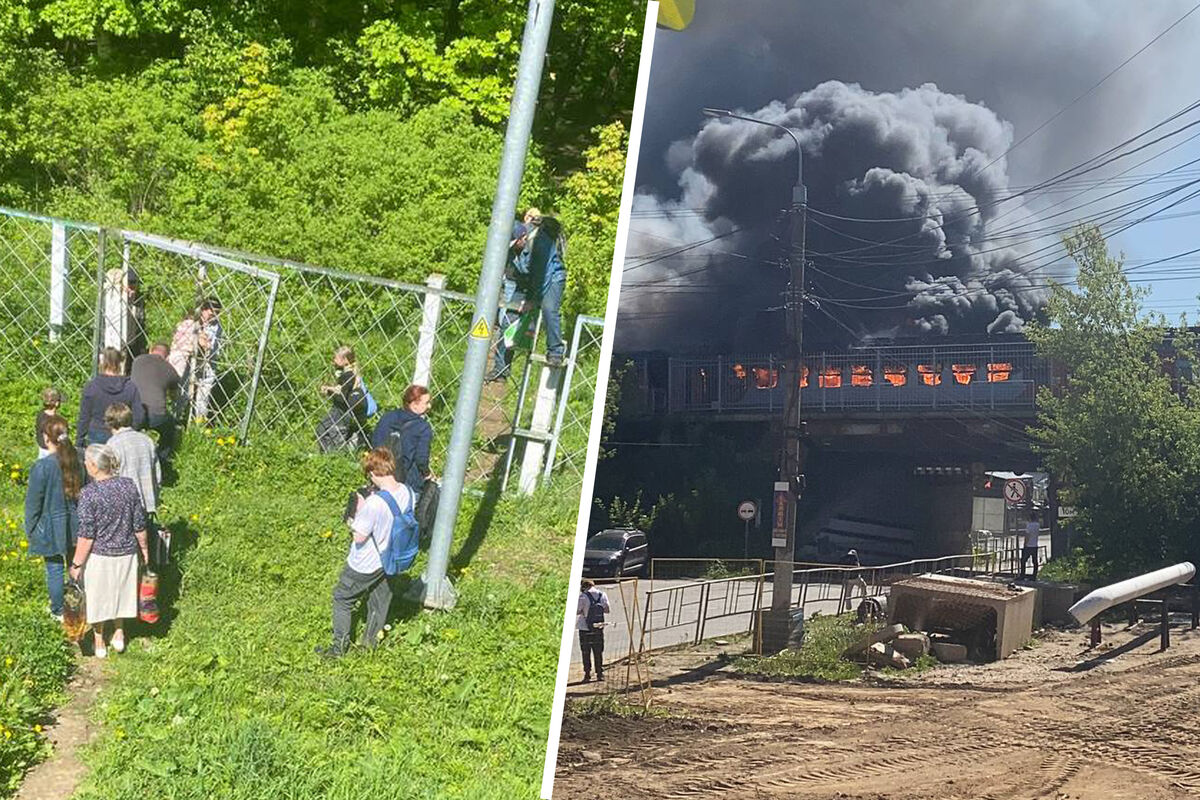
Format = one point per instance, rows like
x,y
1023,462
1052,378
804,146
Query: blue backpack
x,y
402,546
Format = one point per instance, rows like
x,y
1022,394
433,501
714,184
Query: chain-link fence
x,y
63,292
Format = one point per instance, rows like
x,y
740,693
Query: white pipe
x,y
1122,592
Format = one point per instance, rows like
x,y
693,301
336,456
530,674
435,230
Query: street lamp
x,y
791,460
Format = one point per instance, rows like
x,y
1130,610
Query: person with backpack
x,y
589,615
385,538
408,435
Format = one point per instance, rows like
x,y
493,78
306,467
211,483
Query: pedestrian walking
x,y
851,580
1033,532
406,432
109,387
159,384
363,574
138,458
589,619
51,516
112,532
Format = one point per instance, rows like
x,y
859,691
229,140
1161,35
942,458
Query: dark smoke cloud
x,y
1000,70
931,162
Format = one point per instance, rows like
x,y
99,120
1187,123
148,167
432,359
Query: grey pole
x,y
434,589
791,460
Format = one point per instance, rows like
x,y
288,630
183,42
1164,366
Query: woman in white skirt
x,y
112,531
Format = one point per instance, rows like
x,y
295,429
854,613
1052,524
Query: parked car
x,y
614,553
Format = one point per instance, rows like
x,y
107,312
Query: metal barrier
x,y
692,611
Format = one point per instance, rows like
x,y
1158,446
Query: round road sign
x,y
1014,490
747,509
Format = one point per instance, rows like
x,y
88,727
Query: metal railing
x,y
694,610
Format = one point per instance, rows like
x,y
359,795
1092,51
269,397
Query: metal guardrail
x,y
685,613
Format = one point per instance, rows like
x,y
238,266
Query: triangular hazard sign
x,y
480,329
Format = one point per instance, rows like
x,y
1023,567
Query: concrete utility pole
x,y
434,589
790,483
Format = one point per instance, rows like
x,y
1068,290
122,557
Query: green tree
x,y
1116,431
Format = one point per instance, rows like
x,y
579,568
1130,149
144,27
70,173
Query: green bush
x,y
35,659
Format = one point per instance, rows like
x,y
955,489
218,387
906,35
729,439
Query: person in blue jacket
x,y
541,277
50,515
109,387
415,434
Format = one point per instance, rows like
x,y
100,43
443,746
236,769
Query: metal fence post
x,y
565,395
434,589
258,360
98,333
59,271
431,315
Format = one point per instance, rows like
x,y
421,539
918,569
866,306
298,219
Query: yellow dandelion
x,y
120,733
24,544
14,475
208,431
326,534
220,442
231,440
8,662
37,728
8,734
195,517
36,341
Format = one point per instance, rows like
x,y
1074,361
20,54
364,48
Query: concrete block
x,y
949,652
912,645
885,634
885,655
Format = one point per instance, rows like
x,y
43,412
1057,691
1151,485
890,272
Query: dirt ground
x,y
1054,721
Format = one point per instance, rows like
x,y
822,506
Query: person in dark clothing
x,y
542,277
109,387
158,384
51,401
345,424
416,435
502,364
589,618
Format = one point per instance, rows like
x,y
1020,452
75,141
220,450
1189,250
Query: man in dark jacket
x,y
415,434
109,387
158,384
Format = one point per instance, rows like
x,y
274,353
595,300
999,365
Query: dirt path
x,y
1034,726
57,777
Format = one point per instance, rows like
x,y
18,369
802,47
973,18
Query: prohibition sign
x,y
1014,490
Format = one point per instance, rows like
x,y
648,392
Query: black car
x,y
614,553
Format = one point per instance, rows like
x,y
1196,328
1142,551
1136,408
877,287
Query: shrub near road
x,y
232,702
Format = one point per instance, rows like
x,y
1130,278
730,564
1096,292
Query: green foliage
x,y
233,701
819,657
1122,439
630,514
1078,567
588,209
35,659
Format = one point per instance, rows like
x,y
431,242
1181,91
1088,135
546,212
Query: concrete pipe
x,y
1115,594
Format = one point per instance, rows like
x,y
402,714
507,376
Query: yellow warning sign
x,y
480,329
